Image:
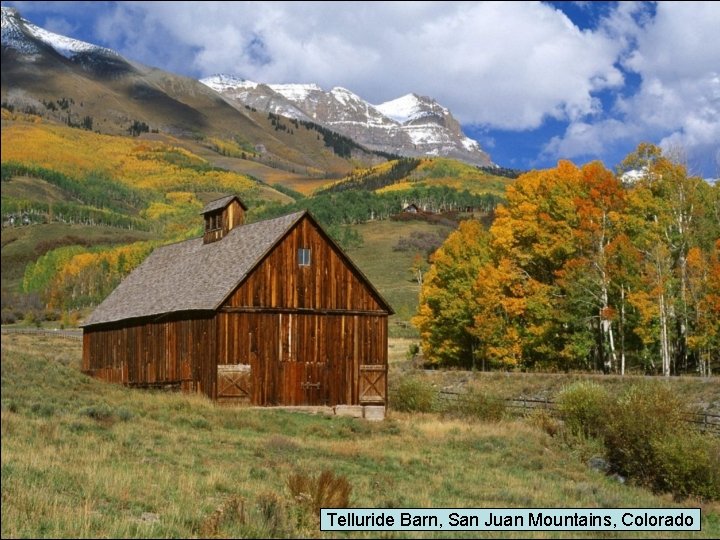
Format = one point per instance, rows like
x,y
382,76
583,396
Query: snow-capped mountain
x,y
100,86
411,125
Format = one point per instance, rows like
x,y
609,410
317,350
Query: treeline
x,y
581,272
94,190
72,277
340,145
19,211
351,207
502,171
376,177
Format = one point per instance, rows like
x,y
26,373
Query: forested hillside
x,y
80,209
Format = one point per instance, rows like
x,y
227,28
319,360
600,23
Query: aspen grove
x,y
583,269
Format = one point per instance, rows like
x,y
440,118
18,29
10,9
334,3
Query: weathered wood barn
x,y
270,313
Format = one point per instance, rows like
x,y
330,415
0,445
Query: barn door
x,y
314,383
373,380
234,382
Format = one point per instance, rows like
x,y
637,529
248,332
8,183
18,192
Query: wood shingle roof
x,y
190,275
217,204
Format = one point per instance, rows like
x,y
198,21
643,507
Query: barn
x,y
266,313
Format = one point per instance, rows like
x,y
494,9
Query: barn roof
x,y
190,275
194,276
221,203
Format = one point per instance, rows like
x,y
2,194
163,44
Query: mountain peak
x,y
13,35
20,34
411,107
411,125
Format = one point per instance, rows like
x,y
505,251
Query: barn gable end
x,y
329,281
307,333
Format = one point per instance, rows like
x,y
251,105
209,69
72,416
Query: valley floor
x,y
82,458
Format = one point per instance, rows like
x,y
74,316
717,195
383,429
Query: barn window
x,y
213,221
304,256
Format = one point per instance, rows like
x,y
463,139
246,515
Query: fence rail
x,y
707,422
67,334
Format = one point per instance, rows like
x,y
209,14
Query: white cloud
x,y
498,65
506,65
677,105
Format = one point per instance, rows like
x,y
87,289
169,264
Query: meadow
x,y
82,458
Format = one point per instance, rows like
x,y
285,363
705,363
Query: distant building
x,y
269,313
411,209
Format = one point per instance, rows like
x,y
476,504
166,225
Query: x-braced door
x,y
234,382
373,383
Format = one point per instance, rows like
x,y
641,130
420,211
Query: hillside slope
x,y
85,85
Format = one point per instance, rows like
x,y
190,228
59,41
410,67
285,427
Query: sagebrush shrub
x,y
413,395
688,463
584,406
645,413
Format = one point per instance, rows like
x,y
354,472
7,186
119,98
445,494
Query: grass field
x,y
82,458
390,270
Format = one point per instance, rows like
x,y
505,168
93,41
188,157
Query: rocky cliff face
x,y
411,125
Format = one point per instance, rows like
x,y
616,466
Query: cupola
x,y
222,216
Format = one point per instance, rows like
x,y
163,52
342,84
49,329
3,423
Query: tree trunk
x,y
664,345
622,330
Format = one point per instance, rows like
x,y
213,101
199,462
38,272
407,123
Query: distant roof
x,y
191,275
221,203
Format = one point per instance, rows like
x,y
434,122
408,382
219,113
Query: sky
x,y
533,82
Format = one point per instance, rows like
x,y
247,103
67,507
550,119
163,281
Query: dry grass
x,y
170,465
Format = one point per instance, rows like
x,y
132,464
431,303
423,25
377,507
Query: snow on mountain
x,y
222,82
406,108
12,32
16,34
295,92
345,96
66,46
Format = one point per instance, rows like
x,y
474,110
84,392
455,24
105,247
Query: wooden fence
x,y
66,334
706,422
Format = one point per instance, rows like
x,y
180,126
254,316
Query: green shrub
x,y
688,464
43,410
477,405
584,406
413,395
98,411
642,415
124,414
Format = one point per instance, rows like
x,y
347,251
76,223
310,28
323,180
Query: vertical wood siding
x,y
290,353
327,283
178,352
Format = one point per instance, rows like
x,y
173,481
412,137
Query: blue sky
x,y
533,82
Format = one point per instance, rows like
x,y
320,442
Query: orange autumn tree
x,y
535,232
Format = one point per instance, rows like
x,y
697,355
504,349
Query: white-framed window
x,y
304,256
